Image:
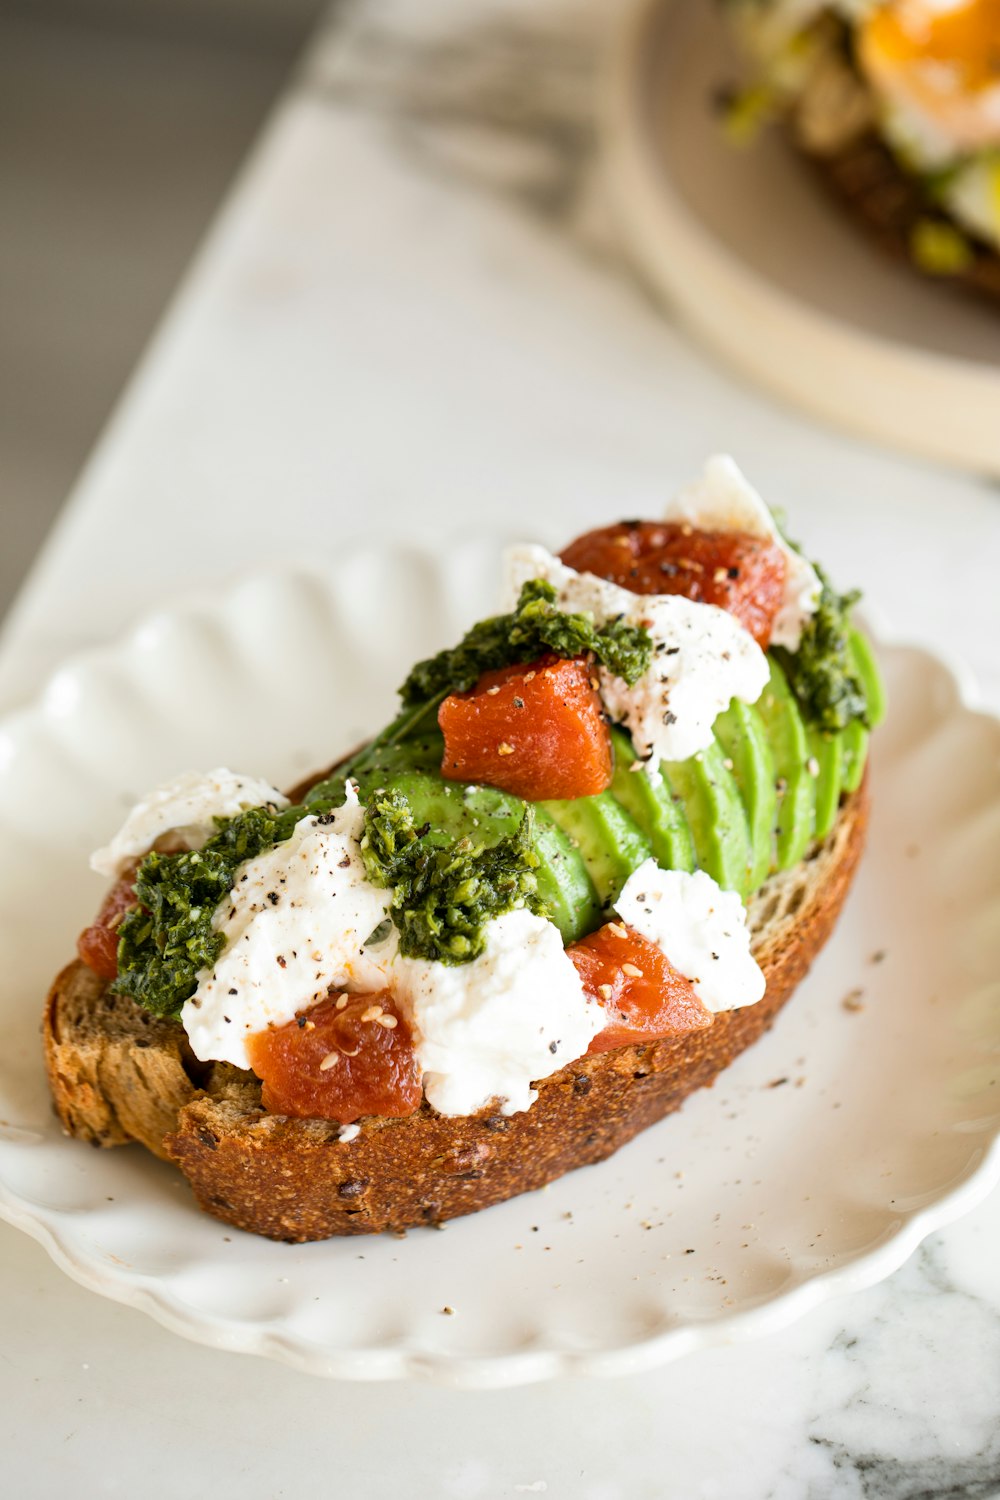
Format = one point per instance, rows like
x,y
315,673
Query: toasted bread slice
x,y
119,1074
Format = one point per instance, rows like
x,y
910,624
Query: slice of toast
x,y
119,1074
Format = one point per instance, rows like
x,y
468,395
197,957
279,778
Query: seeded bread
x,y
118,1074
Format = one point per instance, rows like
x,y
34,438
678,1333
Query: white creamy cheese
x,y
295,926
723,500
187,806
488,1029
703,657
700,928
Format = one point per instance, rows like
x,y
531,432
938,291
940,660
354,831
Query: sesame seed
x,y
720,575
605,991
492,692
728,763
812,766
618,930
330,1061
504,748
632,971
389,1022
342,1001
530,676
372,1013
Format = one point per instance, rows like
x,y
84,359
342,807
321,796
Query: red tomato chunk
x,y
742,574
536,730
644,995
97,945
348,1056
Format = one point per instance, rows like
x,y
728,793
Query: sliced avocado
x,y
563,883
458,810
422,752
855,742
796,788
864,664
740,732
708,793
611,844
855,736
827,762
453,809
652,807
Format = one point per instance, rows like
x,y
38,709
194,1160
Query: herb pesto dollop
x,y
444,895
820,672
534,627
169,937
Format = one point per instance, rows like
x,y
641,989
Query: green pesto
x,y
535,627
821,673
169,937
444,895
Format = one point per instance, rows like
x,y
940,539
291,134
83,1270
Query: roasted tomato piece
x,y
97,944
642,992
536,730
348,1056
740,573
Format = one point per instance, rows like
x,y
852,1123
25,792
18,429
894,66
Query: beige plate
x,y
773,276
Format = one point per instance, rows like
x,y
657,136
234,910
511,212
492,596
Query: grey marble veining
x,y
492,98
910,1395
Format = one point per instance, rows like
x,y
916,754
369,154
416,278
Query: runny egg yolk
x,y
940,60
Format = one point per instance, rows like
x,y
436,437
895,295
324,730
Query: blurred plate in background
x,y
774,276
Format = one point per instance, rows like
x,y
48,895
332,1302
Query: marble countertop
x,y
413,316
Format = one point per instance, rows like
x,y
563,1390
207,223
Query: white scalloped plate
x,y
774,275
815,1166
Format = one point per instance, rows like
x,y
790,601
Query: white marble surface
x,y
413,317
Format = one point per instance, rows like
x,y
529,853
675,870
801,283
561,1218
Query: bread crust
x,y
118,1074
